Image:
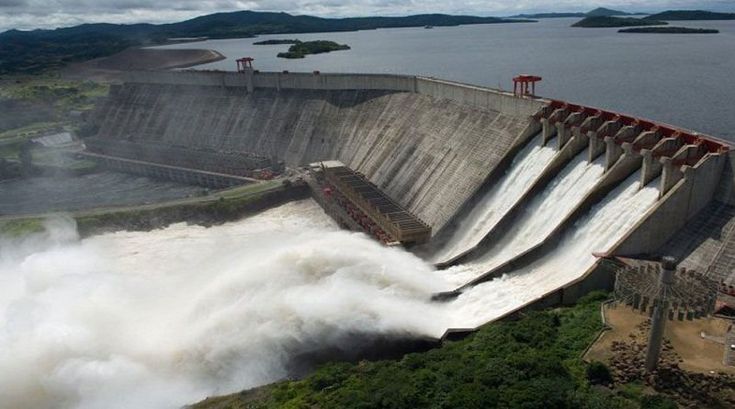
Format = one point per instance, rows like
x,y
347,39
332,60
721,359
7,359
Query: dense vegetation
x,y
32,106
672,15
30,51
302,49
597,22
529,363
669,30
276,42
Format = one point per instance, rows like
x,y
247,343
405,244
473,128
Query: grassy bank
x,y
32,106
532,362
21,227
219,208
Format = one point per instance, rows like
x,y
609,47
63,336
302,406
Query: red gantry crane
x,y
244,63
522,82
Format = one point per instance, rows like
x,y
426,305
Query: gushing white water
x,y
164,318
526,167
598,231
545,212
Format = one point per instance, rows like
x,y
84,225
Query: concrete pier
x,y
658,318
172,173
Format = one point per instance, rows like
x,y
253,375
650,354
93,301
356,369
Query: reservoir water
x,y
684,80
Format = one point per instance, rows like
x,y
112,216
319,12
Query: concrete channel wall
x,y
430,153
676,208
172,173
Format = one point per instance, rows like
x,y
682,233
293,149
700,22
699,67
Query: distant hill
x,y
604,12
549,15
597,22
29,51
673,15
598,12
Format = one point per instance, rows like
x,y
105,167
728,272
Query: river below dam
x,y
684,80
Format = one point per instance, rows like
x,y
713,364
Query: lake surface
x,y
684,80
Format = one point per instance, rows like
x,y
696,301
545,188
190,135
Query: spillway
x,y
597,232
228,307
539,218
434,147
527,166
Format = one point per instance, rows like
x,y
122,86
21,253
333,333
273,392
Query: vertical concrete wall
x,y
676,208
726,190
478,96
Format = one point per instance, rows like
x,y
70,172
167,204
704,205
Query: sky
x,y
31,14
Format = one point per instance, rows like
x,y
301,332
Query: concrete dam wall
x,y
430,153
525,193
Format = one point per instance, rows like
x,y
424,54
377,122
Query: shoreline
x,y
111,68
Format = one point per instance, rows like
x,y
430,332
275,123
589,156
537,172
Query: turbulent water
x,y
526,167
539,219
164,318
597,232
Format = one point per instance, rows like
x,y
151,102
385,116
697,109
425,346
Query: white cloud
x,y
29,14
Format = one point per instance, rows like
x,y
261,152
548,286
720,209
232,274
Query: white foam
x,y
525,169
539,219
164,318
607,223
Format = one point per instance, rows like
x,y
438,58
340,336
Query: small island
x,y
669,30
607,21
302,49
276,42
672,15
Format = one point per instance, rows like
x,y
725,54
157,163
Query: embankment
x,y
218,208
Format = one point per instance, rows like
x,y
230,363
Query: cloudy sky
x,y
29,14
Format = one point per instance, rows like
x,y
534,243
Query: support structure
x,y
525,85
658,319
244,64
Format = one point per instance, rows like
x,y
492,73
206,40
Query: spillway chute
x,y
526,167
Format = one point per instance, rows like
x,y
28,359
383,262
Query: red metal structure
x,y
245,63
709,143
522,82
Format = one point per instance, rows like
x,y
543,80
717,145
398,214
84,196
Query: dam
x,y
517,200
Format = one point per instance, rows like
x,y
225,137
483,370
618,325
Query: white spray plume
x,y
164,318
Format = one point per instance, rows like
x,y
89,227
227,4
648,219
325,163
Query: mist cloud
x,y
164,318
